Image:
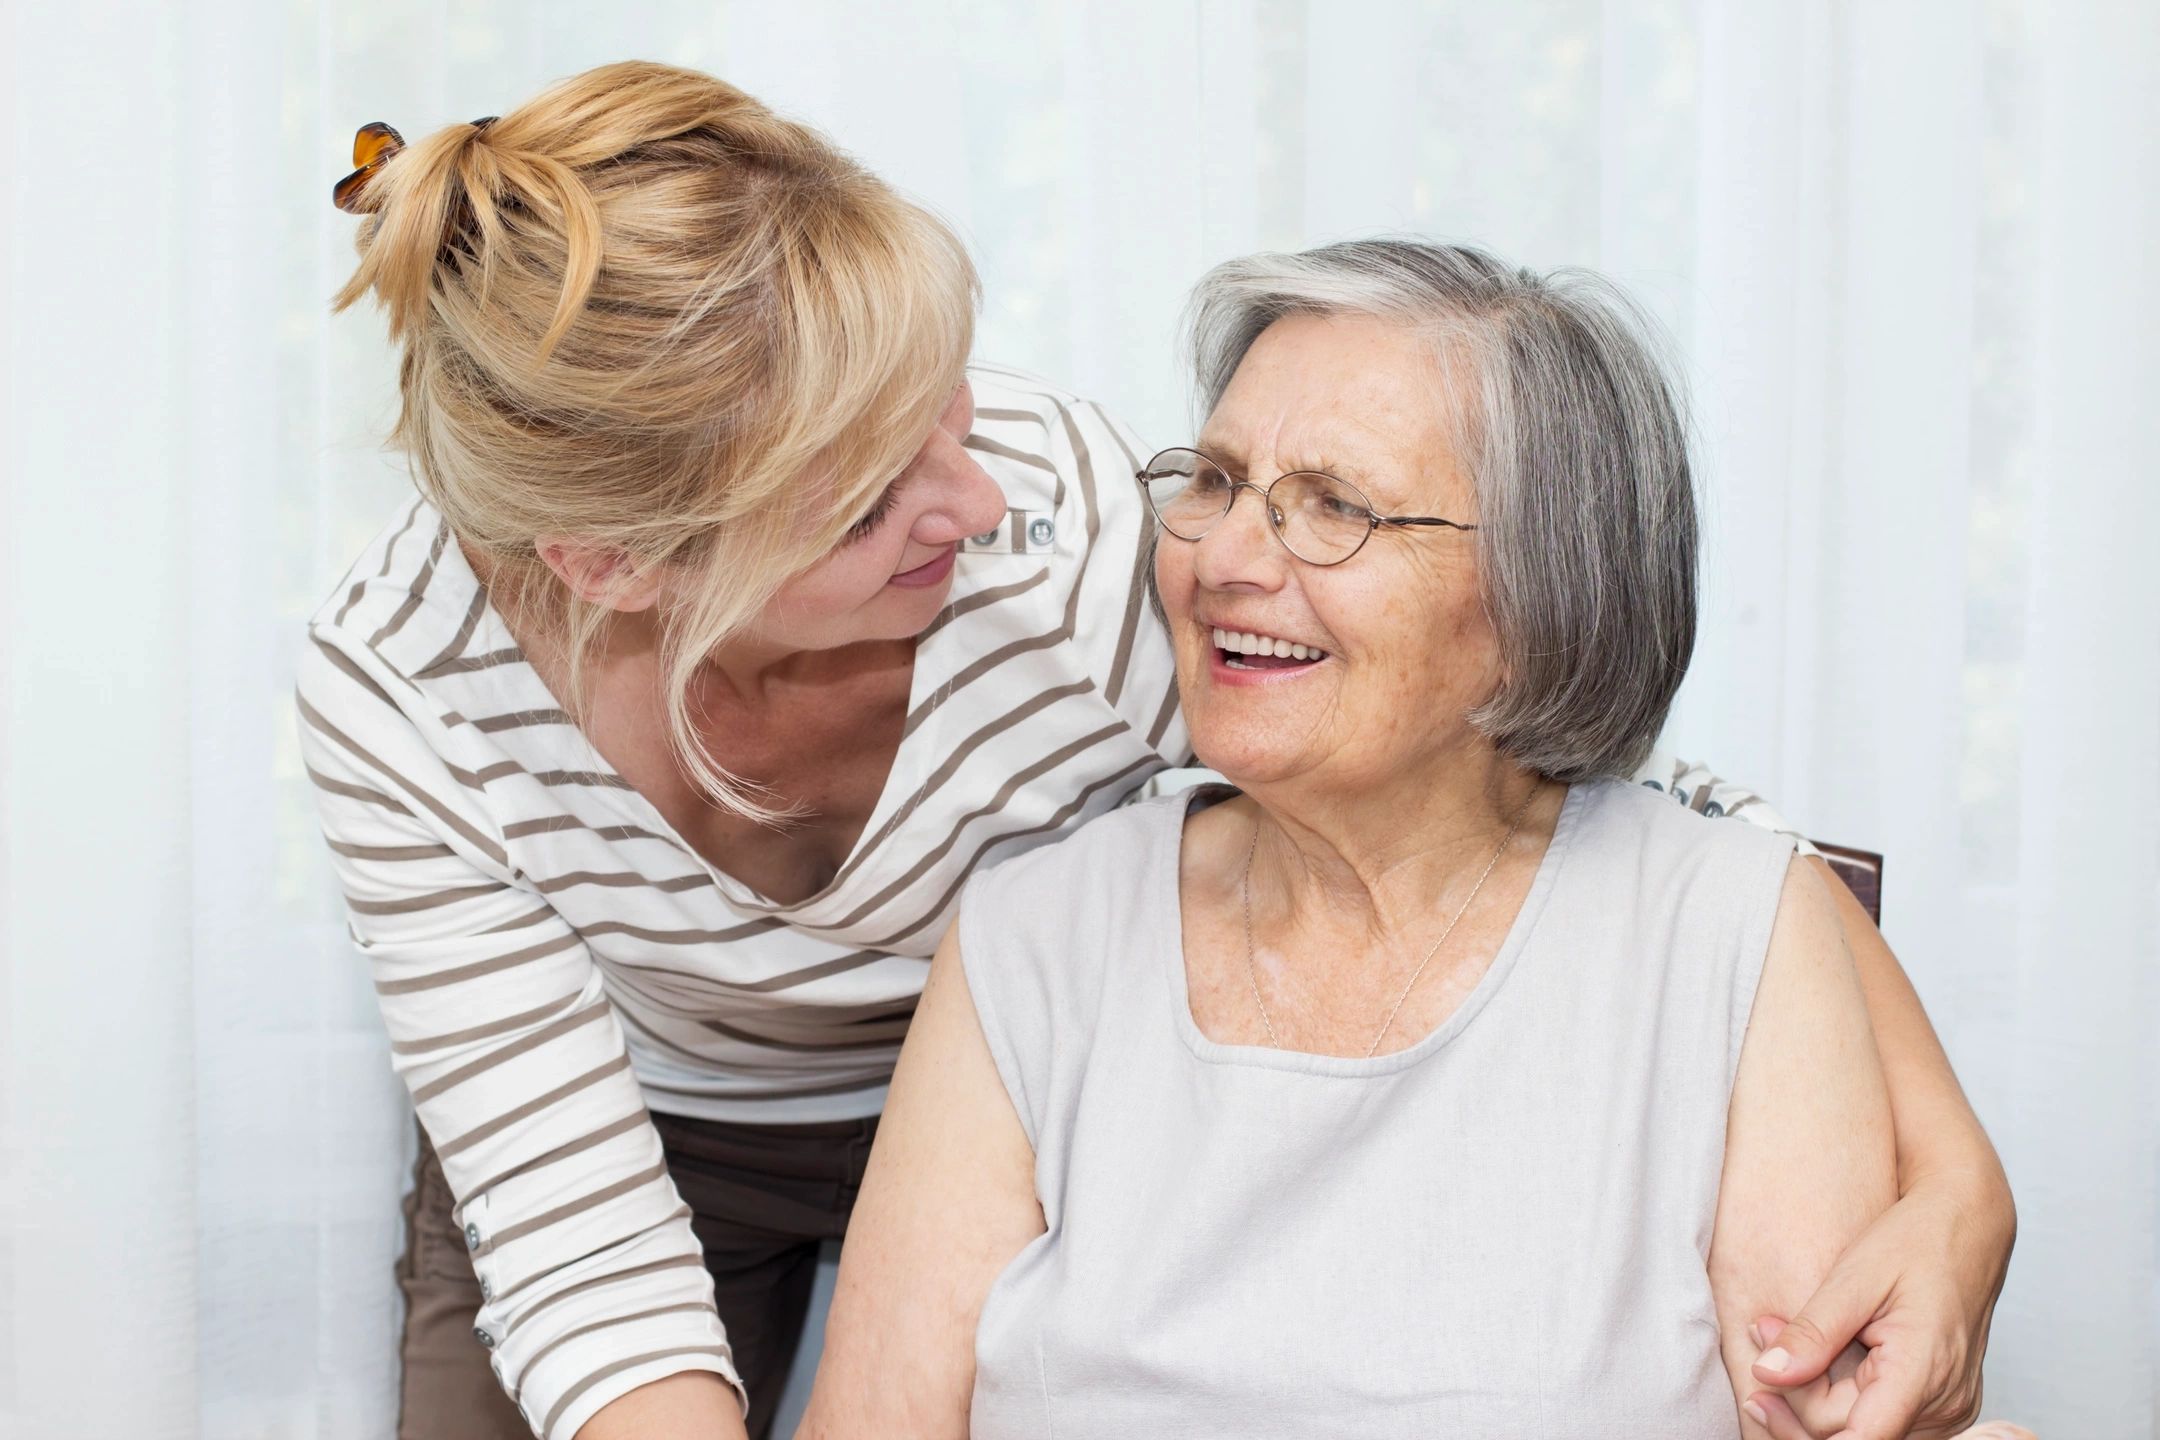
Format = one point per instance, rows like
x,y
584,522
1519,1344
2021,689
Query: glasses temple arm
x,y
1401,520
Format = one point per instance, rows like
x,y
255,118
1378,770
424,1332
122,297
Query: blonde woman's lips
x,y
922,577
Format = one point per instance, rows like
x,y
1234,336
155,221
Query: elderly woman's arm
x,y
948,1201
1810,1084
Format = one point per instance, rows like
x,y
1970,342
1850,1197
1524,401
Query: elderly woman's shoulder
x,y
1114,850
1646,816
1042,932
1695,883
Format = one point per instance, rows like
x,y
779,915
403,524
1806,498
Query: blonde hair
x,y
644,312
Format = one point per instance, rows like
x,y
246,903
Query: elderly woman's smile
x,y
1244,651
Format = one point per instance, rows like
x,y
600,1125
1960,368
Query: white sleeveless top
x,y
1499,1232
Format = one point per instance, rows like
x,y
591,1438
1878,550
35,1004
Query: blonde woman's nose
x,y
987,499
972,503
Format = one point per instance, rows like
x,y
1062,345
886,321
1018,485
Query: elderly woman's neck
x,y
1399,843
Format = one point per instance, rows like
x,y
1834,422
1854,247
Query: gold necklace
x,y
1252,971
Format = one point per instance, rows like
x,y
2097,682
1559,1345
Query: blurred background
x,y
1903,249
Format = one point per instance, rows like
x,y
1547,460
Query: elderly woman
x,y
1436,1080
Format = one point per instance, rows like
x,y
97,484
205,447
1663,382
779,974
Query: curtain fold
x,y
2081,1134
1899,251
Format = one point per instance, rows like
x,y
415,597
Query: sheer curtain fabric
x,y
1901,252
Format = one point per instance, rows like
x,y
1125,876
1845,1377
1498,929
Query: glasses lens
x,y
1322,519
1188,491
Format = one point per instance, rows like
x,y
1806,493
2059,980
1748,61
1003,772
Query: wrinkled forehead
x,y
1376,402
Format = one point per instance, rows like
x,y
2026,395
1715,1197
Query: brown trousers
x,y
761,1197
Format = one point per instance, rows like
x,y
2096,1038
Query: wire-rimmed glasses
x,y
1319,519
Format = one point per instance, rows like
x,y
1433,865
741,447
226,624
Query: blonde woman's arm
x,y
948,1201
1809,1085
1928,1271
1810,1078
500,1025
1918,1287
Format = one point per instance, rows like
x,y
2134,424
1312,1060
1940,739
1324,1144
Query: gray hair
x,y
1573,435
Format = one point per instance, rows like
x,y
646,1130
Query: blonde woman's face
x,y
890,576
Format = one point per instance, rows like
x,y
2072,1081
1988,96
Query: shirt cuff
x,y
621,1318
603,1388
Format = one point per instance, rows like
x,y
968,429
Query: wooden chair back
x,y
1861,870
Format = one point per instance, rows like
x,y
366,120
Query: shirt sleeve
x,y
1693,784
1121,620
592,1279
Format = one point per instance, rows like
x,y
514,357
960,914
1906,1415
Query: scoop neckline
x,y
1171,955
896,799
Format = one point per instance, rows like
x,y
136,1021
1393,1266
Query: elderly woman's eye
x,y
1336,506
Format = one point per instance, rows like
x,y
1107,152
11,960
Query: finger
x,y
1773,1414
1996,1430
1847,1365
1833,1315
1823,1407
1887,1408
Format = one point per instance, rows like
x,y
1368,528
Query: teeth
x,y
1245,642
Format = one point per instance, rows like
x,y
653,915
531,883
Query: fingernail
x,y
1774,1359
1754,1332
1755,1413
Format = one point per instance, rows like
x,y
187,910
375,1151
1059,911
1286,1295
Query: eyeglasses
x,y
1318,518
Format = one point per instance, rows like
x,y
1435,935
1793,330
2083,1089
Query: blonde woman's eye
x,y
863,528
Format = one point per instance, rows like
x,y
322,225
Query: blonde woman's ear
x,y
599,575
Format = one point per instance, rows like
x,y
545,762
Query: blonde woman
x,y
736,624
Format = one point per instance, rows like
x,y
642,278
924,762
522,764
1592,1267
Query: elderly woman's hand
x,y
1916,1293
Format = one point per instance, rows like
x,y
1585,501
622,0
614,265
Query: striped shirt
x,y
552,958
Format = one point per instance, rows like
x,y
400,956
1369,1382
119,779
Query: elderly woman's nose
x,y
1241,547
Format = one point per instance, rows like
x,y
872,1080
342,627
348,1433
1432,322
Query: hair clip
x,y
372,148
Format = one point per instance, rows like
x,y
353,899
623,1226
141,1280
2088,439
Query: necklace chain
x,y
1252,970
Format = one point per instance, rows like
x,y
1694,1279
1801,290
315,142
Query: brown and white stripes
x,y
551,959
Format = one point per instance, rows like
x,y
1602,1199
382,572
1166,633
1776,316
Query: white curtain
x,y
1903,248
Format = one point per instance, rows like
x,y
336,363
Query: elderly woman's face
x,y
1406,647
